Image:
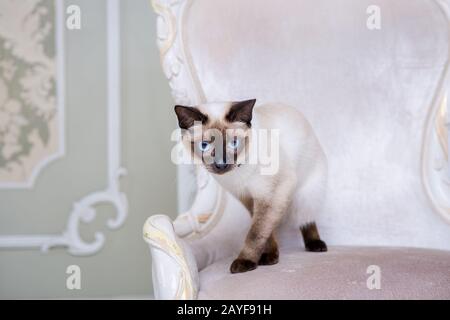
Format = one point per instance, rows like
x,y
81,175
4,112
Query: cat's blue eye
x,y
234,144
204,146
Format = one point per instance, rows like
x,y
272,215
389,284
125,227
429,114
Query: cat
x,y
222,138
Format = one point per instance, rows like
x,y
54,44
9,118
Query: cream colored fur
x,y
302,175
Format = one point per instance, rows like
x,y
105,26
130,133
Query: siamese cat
x,y
222,137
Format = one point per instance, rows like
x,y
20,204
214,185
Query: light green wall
x,y
123,267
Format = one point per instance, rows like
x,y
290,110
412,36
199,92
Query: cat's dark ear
x,y
241,112
187,116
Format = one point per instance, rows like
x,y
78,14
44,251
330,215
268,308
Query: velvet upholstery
x,y
340,273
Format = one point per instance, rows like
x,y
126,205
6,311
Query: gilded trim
x,y
434,179
167,40
187,289
441,126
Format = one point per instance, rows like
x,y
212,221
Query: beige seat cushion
x,y
340,273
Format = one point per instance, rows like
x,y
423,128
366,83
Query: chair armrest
x,y
174,270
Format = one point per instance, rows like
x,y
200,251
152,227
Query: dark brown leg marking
x,y
266,218
270,254
248,203
242,265
312,239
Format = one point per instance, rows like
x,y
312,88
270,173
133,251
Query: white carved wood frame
x,y
83,210
177,67
436,142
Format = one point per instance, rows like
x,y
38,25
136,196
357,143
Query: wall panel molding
x,y
84,209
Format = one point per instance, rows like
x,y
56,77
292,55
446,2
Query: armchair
x,y
376,98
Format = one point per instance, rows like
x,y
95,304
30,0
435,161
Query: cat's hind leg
x,y
312,239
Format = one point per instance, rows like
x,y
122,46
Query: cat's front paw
x,y
316,246
242,265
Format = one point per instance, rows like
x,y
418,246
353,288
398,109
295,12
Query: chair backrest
x,y
370,87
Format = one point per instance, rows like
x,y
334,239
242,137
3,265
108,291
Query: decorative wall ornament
x,y
84,209
31,90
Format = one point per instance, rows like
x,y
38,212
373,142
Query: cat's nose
x,y
221,166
